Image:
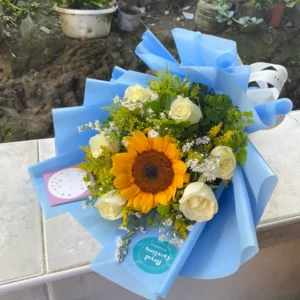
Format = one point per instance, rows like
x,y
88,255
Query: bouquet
x,y
170,183
160,155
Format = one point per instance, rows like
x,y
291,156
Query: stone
x,y
278,147
68,244
21,247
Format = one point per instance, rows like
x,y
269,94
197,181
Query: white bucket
x,y
85,24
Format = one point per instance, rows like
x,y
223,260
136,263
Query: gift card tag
x,y
66,185
153,256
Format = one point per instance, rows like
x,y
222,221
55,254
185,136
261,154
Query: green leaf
x,y
244,20
163,209
87,178
211,114
172,124
175,206
291,4
242,156
151,221
154,85
230,14
154,105
165,100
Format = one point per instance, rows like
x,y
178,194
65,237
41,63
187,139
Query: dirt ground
x,y
49,70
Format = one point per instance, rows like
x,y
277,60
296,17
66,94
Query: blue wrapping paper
x,y
214,249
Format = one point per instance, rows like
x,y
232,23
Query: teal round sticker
x,y
153,256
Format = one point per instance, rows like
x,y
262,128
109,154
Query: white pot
x,y
88,24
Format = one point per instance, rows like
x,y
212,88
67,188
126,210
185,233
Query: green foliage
x,y
290,3
247,21
163,210
214,109
14,13
225,14
99,168
127,120
219,109
260,4
168,86
152,220
83,4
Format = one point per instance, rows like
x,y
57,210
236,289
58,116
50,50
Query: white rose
x,y
198,202
101,140
110,205
227,162
183,109
137,93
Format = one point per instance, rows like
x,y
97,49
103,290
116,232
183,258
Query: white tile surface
x,y
46,149
67,243
280,148
34,293
21,252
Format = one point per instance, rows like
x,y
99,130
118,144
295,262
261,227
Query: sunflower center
x,y
152,172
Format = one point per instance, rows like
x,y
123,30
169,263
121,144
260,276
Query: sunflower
x,y
149,173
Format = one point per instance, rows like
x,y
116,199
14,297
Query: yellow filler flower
x,y
149,172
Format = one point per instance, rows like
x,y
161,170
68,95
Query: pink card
x,y
66,185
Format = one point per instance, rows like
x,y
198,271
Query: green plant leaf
x,y
163,209
154,105
291,4
175,206
244,20
230,14
165,100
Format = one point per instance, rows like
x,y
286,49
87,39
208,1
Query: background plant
x,y
225,14
261,4
12,12
83,4
290,3
247,21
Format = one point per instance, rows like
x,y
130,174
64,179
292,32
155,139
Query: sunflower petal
x,y
123,181
170,192
161,198
172,151
131,151
178,181
137,202
121,167
158,144
166,142
120,158
138,141
146,202
130,192
179,167
186,177
142,139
